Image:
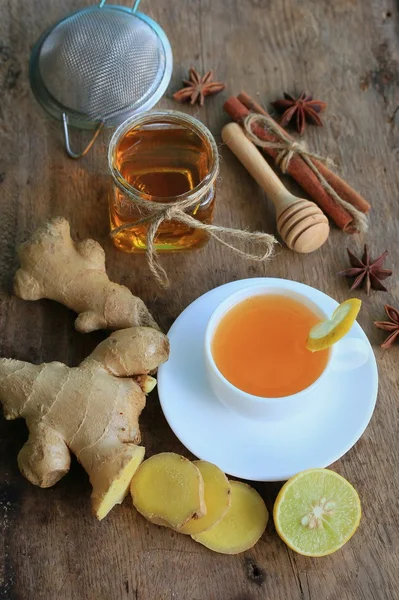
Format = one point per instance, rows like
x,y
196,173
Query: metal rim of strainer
x,y
71,117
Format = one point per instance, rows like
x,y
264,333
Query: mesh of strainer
x,y
100,62
101,65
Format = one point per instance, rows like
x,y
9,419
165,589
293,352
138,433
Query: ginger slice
x,y
242,525
168,489
217,498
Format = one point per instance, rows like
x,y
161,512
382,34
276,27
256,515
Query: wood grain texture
x,y
345,52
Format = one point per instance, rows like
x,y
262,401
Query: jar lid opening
x,y
164,120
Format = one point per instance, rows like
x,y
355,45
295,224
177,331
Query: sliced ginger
x,y
168,489
217,498
242,525
197,499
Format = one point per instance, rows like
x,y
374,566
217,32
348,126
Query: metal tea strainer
x,y
98,66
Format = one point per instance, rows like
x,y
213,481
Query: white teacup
x,y
349,353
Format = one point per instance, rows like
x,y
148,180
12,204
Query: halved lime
x,y
316,512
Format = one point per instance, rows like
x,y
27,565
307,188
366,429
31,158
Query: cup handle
x,y
349,354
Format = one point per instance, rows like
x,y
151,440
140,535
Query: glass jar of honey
x,y
161,157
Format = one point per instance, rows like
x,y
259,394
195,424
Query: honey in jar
x,y
161,157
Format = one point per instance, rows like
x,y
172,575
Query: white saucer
x,y
260,451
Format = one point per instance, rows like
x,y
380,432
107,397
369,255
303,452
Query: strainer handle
x,y
135,6
66,137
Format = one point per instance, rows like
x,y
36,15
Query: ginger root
x,y
54,266
168,490
242,525
216,495
91,410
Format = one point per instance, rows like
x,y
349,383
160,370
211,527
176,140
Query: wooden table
x,y
345,52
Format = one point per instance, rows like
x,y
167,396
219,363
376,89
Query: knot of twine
x,y
287,148
156,213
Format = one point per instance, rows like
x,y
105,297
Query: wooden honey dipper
x,y
301,223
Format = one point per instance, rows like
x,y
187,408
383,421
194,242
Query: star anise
x,y
304,107
197,87
367,270
392,325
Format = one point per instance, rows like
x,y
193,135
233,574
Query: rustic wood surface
x,y
345,52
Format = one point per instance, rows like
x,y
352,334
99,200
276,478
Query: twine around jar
x,y
287,149
156,213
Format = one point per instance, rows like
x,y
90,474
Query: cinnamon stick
x,y
298,169
340,186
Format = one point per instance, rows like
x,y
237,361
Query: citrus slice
x,y
325,334
316,512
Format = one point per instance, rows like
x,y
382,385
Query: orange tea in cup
x,y
259,346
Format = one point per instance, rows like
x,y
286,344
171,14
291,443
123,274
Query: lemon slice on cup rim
x,y
325,334
316,512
